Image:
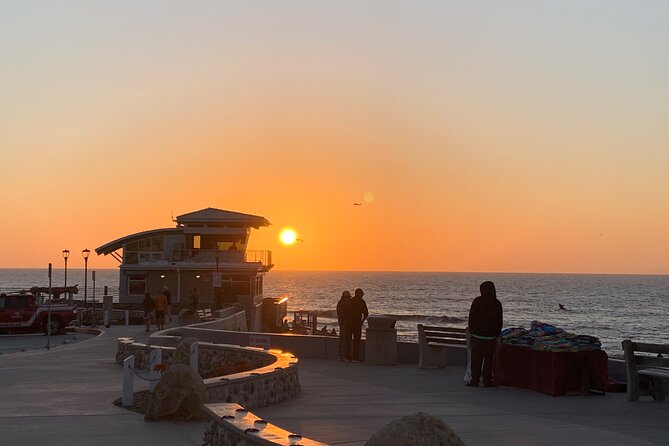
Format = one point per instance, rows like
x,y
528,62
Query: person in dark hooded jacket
x,y
485,324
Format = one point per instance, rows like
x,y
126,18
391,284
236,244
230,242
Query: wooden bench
x,y
645,371
204,314
432,341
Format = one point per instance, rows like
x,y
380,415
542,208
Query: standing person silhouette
x,y
356,313
485,324
341,319
149,306
168,296
161,306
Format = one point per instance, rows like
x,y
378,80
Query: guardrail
x,y
217,256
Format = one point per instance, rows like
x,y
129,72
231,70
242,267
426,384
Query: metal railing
x,y
216,255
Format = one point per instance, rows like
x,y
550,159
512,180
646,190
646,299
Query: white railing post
x,y
155,358
128,378
127,317
106,318
194,351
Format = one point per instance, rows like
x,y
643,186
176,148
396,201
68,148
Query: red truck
x,y
21,312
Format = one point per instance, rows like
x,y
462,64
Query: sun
x,y
288,236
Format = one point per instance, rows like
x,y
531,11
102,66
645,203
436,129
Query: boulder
x,y
419,429
179,395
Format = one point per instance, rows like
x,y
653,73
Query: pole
x,y
94,324
85,283
48,321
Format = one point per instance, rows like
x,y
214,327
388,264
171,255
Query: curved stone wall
x,y
271,376
230,425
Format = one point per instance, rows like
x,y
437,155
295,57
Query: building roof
x,y
118,243
214,215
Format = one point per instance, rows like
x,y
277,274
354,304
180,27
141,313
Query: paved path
x,y
64,397
344,403
25,342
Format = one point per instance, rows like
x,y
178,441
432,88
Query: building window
x,y
145,250
137,285
196,242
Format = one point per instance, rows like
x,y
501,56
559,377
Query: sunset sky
x,y
525,136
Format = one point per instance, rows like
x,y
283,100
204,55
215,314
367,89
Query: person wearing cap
x,y
356,313
341,319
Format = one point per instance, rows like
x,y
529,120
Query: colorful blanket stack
x,y
548,337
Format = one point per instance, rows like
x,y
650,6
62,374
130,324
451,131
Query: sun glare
x,y
288,236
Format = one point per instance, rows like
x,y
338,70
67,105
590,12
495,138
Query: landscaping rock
x,y
419,429
179,395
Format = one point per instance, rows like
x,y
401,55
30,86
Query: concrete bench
x,y
432,342
204,314
647,366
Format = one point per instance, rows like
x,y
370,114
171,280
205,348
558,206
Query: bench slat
x,y
444,338
449,343
650,348
448,329
663,373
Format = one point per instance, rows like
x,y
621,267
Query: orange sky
x,y
493,138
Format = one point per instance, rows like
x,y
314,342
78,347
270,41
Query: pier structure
x,y
206,251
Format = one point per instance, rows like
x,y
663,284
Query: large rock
x,y
179,395
419,429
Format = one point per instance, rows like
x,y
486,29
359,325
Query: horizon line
x,y
401,271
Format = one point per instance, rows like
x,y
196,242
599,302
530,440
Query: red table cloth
x,y
554,373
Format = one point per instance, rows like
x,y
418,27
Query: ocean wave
x,y
404,317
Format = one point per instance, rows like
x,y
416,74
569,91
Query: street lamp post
x,y
85,253
93,323
66,254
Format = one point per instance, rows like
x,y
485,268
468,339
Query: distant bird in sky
x,y
562,307
299,240
357,204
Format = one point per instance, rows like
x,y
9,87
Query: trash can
x,y
381,341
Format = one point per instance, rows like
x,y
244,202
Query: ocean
x,y
611,307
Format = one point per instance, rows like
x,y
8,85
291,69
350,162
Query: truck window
x,y
17,301
2,301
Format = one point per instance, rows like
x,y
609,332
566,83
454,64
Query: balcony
x,y
263,258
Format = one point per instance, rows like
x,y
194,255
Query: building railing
x,y
216,255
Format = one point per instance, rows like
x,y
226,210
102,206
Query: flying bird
x,y
299,240
357,204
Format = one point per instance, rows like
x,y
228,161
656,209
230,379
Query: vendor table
x,y
554,373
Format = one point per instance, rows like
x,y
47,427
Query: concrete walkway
x,y
344,403
64,397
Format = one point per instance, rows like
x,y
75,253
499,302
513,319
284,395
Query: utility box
x,y
381,341
273,312
107,309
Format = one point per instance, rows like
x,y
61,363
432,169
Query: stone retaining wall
x,y
229,427
249,376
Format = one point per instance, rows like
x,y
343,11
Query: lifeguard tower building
x,y
206,250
